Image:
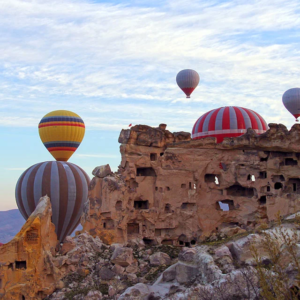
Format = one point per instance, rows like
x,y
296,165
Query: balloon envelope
x,y
229,121
61,132
291,101
67,186
187,80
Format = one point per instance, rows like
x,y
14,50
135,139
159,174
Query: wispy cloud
x,y
121,60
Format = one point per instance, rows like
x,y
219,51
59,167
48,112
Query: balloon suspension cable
x,y
188,96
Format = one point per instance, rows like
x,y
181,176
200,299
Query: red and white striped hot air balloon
x,y
291,101
187,80
229,121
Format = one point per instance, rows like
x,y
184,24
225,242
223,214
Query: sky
x,y
115,63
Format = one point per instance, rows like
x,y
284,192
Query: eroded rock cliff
x,y
176,191
26,267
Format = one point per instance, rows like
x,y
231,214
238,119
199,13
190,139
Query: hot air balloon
x,y
291,101
187,80
61,132
67,186
229,121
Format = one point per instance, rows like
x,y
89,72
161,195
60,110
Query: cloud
x,y
116,63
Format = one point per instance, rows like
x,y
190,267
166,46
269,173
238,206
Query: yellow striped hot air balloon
x,y
61,132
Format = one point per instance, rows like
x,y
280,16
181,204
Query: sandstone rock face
x,y
172,190
26,267
102,171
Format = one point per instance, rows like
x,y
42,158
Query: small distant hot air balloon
x,y
61,132
187,80
67,186
291,101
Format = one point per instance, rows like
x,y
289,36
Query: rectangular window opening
x,y
145,172
141,204
21,265
153,156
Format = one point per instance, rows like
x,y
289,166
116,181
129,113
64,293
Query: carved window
x,y
240,191
149,242
145,172
140,204
109,224
262,200
21,265
263,175
290,162
188,206
225,205
153,156
251,177
212,178
294,185
168,208
278,186
0,283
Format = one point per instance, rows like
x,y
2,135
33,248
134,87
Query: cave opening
x,y
21,264
141,204
149,242
145,172
290,162
168,208
225,205
240,191
278,186
262,200
263,175
153,156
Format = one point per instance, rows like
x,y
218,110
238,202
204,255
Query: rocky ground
x,y
222,267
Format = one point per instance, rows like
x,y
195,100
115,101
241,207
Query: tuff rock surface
x,y
84,268
172,190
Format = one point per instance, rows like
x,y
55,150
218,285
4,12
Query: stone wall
x,y
170,189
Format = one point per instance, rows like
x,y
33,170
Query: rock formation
x,y
220,270
172,190
26,269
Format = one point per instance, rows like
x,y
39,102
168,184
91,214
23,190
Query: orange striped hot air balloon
x,y
61,132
